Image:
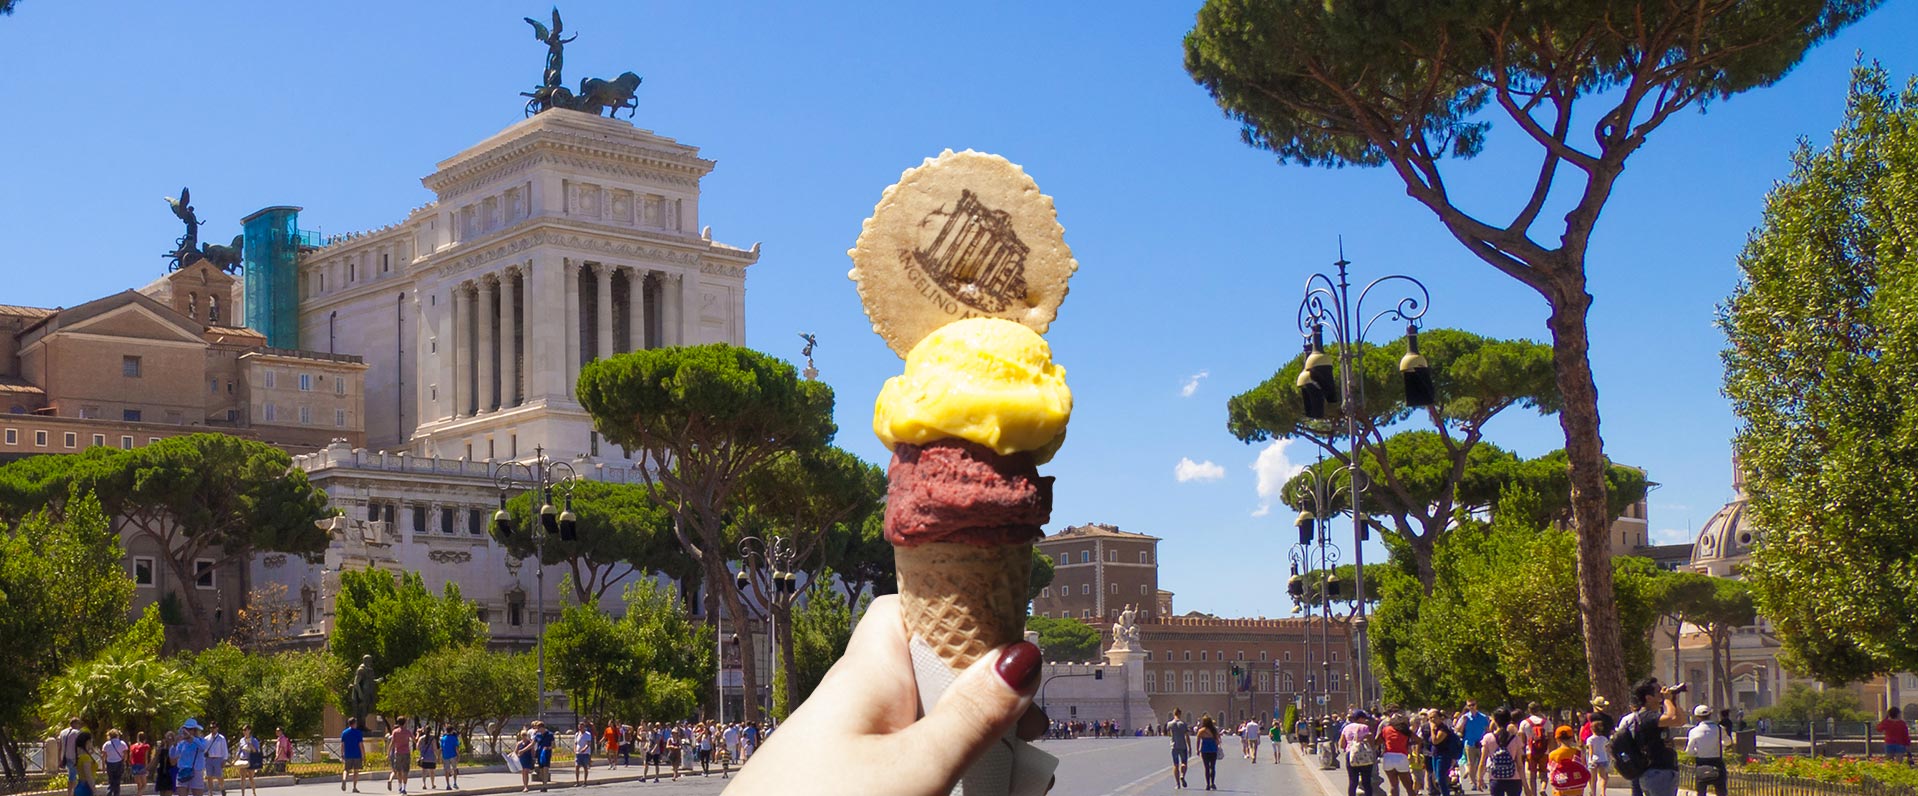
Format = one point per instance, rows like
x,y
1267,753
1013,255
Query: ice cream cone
x,y
964,600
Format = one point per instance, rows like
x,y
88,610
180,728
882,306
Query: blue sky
x,y
1192,247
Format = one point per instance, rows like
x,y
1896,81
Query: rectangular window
x,y
13,436
212,385
1241,655
269,378
1085,588
306,382
384,262
1112,555
1085,556
475,522
492,453
1151,682
151,440
1265,681
1141,589
1143,557
232,415
339,418
1045,592
1188,681
1085,613
203,574
339,386
272,412
99,439
594,439
1114,589
419,518
143,571
1205,681
1188,655
1288,656
1262,656
126,443
1201,654
130,415
448,523
40,438
306,415
1335,656
72,440
130,367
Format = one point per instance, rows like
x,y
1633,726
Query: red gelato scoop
x,y
958,491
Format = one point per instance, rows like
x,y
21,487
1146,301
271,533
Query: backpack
x,y
1502,764
1570,774
1537,739
1628,758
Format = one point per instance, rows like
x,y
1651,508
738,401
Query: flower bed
x,y
1887,774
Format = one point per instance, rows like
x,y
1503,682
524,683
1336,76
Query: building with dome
x,y
1756,677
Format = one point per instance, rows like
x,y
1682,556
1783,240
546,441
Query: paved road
x,y
1087,767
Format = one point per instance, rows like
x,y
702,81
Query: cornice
x,y
586,241
570,148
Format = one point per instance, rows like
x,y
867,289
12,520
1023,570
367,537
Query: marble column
x,y
688,308
605,297
572,324
460,347
636,310
669,309
508,348
488,352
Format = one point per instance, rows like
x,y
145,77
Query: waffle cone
x,y
964,600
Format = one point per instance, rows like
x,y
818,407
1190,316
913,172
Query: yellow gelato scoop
x,y
984,380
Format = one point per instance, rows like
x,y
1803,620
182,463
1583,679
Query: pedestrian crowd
x,y
192,760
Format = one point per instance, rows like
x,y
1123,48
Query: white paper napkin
x,y
1010,768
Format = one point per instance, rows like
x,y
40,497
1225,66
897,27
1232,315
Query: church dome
x,y
1727,537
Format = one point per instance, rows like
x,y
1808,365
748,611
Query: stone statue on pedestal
x,y
364,695
1125,632
186,250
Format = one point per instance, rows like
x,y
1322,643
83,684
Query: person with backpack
x,y
1706,744
1538,745
1503,751
1395,756
1565,765
1640,751
1361,753
1446,750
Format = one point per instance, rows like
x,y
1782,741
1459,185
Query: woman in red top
x,y
1395,742
137,759
1897,736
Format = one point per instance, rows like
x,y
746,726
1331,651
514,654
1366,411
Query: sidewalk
x,y
1335,783
473,782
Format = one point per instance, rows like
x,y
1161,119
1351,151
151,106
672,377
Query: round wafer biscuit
x,y
963,235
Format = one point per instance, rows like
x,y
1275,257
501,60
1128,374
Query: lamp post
x,y
775,565
544,477
1315,539
1335,381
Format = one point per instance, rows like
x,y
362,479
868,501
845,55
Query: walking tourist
x,y
1897,736
1208,738
1278,740
216,754
1181,747
252,759
673,749
164,771
113,754
730,738
449,742
67,755
83,765
138,756
1446,750
543,741
1565,771
1598,740
428,743
1504,756
523,751
1395,740
1253,734
1706,744
282,750
655,736
189,759
352,754
704,736
749,742
399,753
1360,747
1472,726
1538,745
583,753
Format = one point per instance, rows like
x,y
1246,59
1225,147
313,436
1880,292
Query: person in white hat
x,y
1707,743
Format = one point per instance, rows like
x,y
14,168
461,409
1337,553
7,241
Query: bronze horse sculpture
x,y
225,258
620,92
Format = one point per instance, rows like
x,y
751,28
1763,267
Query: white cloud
x,y
1673,536
1192,383
1274,469
1189,470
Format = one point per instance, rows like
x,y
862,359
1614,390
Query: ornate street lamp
x,y
1335,380
772,562
544,477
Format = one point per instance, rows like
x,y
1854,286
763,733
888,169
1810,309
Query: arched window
x,y
212,308
193,306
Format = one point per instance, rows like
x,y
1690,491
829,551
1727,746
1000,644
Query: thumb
x,y
979,708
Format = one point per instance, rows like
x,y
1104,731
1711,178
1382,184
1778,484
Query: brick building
x,y
1099,569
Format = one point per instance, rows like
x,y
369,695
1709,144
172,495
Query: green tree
x,y
624,529
1065,639
126,689
286,690
866,560
1041,575
397,621
1423,477
1717,607
595,661
822,627
201,496
704,419
679,652
466,687
816,500
1677,594
1407,84
1822,335
1807,705
63,598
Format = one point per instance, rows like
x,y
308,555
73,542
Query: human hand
x,y
860,731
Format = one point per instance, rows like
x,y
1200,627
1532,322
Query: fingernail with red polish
x,y
1019,665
